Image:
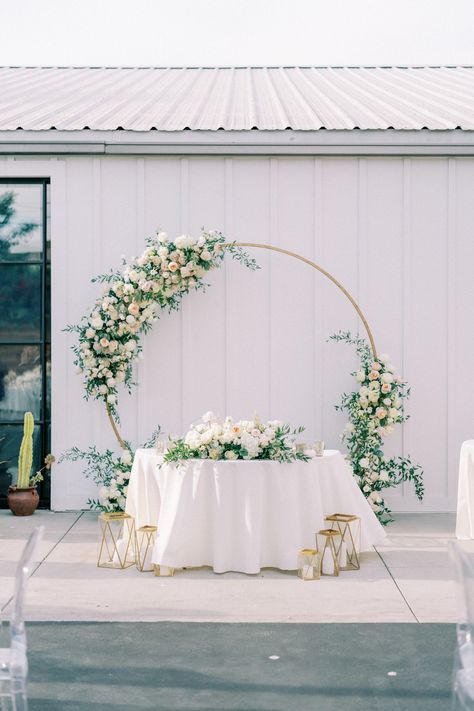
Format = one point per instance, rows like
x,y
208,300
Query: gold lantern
x,y
329,539
146,536
348,552
163,571
309,564
117,546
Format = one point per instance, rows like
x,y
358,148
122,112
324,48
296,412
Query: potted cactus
x,y
23,498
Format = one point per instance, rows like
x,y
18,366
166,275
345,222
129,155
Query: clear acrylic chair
x,y
13,659
463,681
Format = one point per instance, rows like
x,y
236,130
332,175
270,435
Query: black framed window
x,y
25,333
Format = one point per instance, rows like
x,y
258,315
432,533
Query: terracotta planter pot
x,y
23,502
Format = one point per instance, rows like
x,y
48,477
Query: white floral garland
x,y
109,338
374,409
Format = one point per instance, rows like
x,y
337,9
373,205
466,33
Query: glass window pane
x,y
21,222
20,302
48,222
20,382
44,487
47,304
47,366
10,440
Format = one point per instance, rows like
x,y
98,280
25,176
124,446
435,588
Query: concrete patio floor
x,y
408,579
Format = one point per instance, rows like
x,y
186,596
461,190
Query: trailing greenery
x,y
111,472
374,409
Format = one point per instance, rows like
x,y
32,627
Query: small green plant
x,y
25,460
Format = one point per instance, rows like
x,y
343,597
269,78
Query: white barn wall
x,y
397,232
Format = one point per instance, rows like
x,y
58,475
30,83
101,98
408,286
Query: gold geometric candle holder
x,y
163,571
146,536
329,540
309,564
348,551
117,545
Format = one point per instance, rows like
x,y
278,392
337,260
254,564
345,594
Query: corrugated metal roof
x,y
239,98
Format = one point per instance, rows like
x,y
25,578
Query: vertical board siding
x,y
159,381
396,232
460,381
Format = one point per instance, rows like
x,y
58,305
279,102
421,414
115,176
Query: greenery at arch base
x,y
133,296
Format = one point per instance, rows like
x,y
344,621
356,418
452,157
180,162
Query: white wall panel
x,y
397,232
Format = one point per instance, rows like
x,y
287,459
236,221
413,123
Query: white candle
x,y
328,567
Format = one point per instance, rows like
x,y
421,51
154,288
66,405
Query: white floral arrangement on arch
x,y
374,410
109,337
212,438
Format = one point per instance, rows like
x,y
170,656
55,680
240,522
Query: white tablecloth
x,y
242,515
465,509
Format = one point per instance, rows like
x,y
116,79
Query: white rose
x,y
126,457
103,494
206,437
364,463
184,241
364,391
130,319
230,454
162,237
206,256
384,358
97,322
387,378
90,333
393,412
383,476
111,399
103,389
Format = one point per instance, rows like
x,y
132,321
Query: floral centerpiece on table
x,y
374,408
245,439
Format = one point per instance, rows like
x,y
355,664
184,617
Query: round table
x,y
242,515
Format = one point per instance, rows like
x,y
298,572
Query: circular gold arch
x,y
301,259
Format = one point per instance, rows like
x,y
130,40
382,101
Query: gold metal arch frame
x,y
301,259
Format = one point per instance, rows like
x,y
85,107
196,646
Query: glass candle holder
x,y
146,536
117,544
319,448
348,526
163,571
328,541
309,564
